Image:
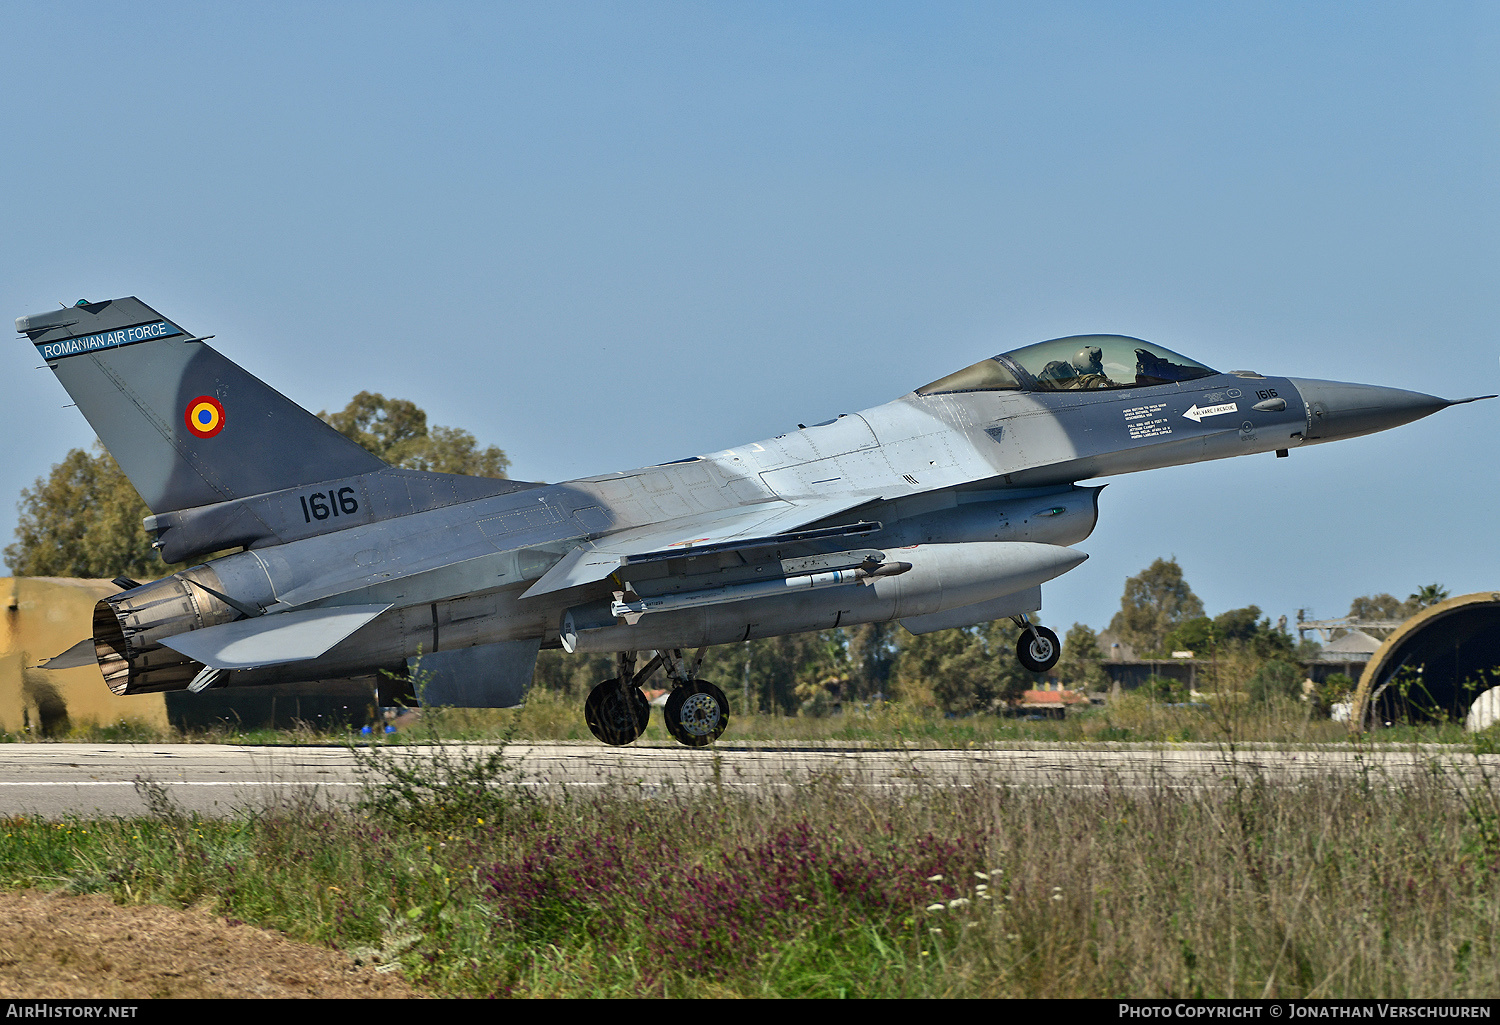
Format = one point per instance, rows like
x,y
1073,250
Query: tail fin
x,y
187,426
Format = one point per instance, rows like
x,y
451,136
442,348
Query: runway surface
x,y
59,780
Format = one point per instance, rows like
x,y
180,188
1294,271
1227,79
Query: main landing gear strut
x,y
696,712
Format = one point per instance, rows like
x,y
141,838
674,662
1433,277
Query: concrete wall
x,y
45,616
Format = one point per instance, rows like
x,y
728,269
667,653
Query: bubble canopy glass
x,y
1077,363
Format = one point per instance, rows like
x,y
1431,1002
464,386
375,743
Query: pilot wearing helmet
x,y
1056,376
1088,366
1084,370
1089,360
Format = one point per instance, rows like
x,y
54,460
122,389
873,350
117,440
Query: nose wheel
x,y
616,712
1037,648
697,713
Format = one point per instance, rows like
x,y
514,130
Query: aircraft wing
x,y
769,523
274,639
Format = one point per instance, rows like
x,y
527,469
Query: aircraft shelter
x,y
1434,666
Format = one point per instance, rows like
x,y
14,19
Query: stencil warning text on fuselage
x,y
1147,421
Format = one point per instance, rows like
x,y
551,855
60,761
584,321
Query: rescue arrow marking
x,y
1197,413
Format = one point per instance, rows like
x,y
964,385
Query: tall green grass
x,y
474,886
1133,717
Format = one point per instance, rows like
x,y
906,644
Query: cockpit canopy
x,y
1077,363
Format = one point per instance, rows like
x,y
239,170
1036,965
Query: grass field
x,y
1334,888
548,716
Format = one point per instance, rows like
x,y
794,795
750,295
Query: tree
x,y
962,670
396,431
771,668
1239,624
1388,606
1195,635
83,520
1079,665
1427,595
1153,605
871,650
1241,646
1275,678
1246,629
1379,606
1335,688
1238,629
947,668
572,675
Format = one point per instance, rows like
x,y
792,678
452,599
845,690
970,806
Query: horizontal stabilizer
x,y
80,654
274,639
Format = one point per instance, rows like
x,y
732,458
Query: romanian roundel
x,y
205,417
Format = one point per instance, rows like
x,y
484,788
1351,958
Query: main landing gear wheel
x,y
1040,651
616,713
697,713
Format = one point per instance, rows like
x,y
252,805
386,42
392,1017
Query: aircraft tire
x,y
696,713
1040,653
616,715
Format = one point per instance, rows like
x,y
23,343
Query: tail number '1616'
x,y
322,504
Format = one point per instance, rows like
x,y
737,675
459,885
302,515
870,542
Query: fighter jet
x,y
946,507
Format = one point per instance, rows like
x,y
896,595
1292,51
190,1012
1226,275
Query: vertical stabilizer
x,y
188,427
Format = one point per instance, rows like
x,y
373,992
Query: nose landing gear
x,y
1037,648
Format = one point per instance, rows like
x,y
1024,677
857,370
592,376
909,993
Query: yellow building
x,y
45,616
42,617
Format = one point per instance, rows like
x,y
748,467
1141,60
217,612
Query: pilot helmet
x,y
1089,360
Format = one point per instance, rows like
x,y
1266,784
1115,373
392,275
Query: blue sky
x,y
607,235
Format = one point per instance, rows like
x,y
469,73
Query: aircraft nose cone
x,y
1337,410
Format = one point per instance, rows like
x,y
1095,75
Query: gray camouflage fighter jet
x,y
946,507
